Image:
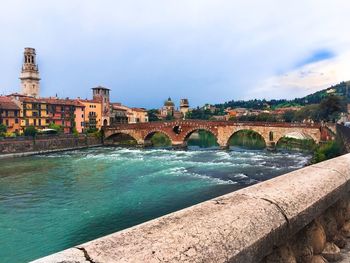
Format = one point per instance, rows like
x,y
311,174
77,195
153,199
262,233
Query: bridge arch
x,y
190,132
198,129
259,134
299,135
121,138
150,134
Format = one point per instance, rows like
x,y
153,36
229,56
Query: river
x,y
54,201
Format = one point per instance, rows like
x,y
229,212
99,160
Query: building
x,y
33,111
101,94
30,80
92,114
10,114
168,109
184,107
122,114
119,114
138,115
67,113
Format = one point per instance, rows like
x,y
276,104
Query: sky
x,y
208,51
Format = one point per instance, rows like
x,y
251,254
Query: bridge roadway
x,y
179,131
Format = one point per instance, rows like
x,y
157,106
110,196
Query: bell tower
x,y
29,77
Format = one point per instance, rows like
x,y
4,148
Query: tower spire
x,y
30,80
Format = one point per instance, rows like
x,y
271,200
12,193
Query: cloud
x,y
319,55
306,79
145,51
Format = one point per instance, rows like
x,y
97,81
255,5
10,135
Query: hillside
x,y
342,89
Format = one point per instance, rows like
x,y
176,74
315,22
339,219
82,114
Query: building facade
x,y
92,114
34,112
101,95
30,80
184,107
69,114
10,114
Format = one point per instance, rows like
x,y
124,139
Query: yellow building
x,y
92,114
137,115
33,111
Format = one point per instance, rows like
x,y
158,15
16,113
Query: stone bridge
x,y
179,131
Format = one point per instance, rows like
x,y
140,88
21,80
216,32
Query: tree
x,y
331,107
288,116
30,131
56,127
152,115
3,129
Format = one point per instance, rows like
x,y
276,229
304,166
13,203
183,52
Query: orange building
x,y
10,114
67,113
92,114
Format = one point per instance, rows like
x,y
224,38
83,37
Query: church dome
x,y
169,103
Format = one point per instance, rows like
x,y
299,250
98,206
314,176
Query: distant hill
x,y
342,89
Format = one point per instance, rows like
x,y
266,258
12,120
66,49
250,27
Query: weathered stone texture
x,y
141,132
46,144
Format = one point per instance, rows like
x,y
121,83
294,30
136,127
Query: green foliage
x,y
98,134
160,140
91,130
75,132
56,127
247,139
169,117
341,90
152,115
203,139
263,117
288,116
30,131
199,114
296,144
3,129
327,151
10,134
331,107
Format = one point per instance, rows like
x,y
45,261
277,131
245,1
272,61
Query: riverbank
x,y
26,146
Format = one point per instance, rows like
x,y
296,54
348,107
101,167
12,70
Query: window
x,y
7,123
16,120
39,122
34,122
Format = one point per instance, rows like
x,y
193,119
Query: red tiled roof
x,y
139,109
6,103
68,102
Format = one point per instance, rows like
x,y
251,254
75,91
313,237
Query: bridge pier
x,y
224,147
271,146
179,145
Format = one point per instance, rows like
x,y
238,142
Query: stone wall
x,y
46,143
302,216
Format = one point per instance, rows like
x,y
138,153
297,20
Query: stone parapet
x,y
255,224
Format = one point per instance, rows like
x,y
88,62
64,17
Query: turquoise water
x,y
55,201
